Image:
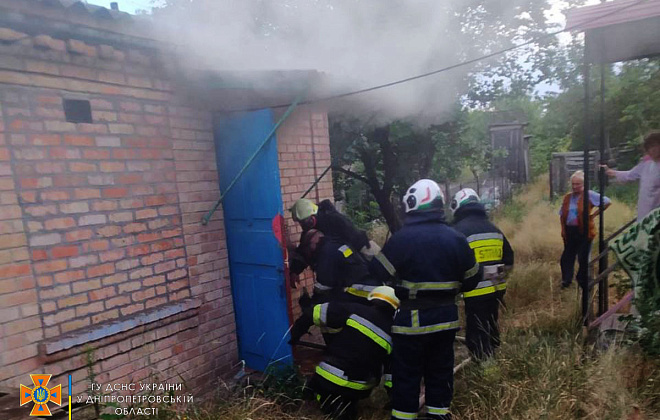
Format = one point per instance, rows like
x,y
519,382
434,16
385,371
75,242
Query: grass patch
x,y
543,370
627,193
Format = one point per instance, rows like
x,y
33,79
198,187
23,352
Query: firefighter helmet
x,y
423,195
303,209
463,197
386,294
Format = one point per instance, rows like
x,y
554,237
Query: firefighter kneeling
x,y
353,362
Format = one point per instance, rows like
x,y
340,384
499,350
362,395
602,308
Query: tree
x,y
387,159
419,126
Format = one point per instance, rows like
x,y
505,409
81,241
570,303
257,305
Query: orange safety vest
x,y
580,207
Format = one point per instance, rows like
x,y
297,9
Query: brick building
x,y
110,155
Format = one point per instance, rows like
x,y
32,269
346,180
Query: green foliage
x,y
626,193
556,122
648,304
379,163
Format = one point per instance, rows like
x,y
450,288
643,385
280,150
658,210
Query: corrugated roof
x,y
611,13
93,10
65,19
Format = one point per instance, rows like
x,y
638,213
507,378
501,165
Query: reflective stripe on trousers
x,y
396,414
337,377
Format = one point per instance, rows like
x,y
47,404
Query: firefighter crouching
x,y
493,252
325,218
341,273
353,362
431,264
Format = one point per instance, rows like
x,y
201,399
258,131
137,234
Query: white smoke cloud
x,y
354,43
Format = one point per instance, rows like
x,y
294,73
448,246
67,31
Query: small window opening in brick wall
x,y
77,111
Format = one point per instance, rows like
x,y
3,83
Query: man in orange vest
x,y
572,230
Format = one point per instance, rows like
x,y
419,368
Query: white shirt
x,y
648,173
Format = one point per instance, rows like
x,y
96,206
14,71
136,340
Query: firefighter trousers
x,y
416,357
482,333
336,402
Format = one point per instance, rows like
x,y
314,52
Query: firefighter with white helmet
x,y
353,362
493,252
429,264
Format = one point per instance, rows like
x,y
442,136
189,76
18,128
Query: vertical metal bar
x,y
311,130
602,262
584,259
551,192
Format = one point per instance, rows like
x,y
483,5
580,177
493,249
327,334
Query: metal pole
x,y
584,259
602,263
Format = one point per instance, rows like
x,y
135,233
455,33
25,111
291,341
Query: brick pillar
x,y
296,160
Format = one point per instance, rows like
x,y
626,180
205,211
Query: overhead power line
x,y
450,67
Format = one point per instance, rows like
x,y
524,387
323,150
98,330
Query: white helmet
x,y
386,294
463,197
424,194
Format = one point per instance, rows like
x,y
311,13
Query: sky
x,y
130,6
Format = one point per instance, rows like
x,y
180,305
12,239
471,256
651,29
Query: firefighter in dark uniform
x,y
341,273
325,218
353,362
493,252
431,264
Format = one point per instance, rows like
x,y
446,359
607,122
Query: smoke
x,y
355,44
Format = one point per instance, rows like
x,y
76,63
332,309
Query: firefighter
x,y
341,273
493,252
353,363
430,263
327,219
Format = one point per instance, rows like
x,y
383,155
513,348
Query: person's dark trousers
x,y
501,306
482,334
575,245
337,402
428,356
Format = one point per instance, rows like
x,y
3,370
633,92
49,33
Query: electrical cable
x,y
450,67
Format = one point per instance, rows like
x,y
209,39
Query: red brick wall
x,y
101,221
20,323
301,140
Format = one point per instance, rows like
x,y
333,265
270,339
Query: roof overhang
x,y
618,30
231,91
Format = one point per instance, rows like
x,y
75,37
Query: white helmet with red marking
x,y
463,197
423,195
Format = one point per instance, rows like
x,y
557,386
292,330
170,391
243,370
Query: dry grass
x,y
543,369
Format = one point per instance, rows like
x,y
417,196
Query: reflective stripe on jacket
x,y
490,246
428,264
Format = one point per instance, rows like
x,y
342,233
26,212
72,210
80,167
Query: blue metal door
x,y
255,259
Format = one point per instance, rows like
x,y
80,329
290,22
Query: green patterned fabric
x,y
638,250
